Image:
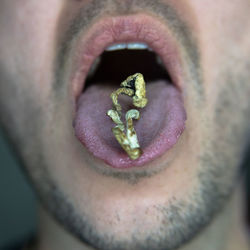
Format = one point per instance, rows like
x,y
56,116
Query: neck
x,y
226,232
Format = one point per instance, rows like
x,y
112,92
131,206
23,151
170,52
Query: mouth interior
x,y
162,120
115,66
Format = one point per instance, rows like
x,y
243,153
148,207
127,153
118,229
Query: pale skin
x,y
207,157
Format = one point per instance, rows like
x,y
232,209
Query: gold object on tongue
x,y
135,87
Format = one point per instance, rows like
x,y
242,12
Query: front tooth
x,y
118,46
137,46
131,46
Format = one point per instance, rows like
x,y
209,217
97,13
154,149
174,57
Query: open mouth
x,y
113,50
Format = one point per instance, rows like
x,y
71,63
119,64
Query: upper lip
x,y
124,29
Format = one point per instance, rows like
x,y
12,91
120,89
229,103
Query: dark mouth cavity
x,y
115,66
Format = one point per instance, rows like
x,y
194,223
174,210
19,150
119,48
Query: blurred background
x,y
17,200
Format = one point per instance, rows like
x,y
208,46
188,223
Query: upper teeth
x,y
121,46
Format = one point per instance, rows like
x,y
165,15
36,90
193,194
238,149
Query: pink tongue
x,y
162,122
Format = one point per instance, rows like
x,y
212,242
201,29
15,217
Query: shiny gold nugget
x,y
135,87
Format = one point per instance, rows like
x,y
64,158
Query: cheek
x,y
28,31
224,38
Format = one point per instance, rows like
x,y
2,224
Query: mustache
x,y
95,9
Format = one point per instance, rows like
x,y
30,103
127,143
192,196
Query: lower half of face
x,y
56,78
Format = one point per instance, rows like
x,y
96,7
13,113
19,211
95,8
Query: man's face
x,y
63,136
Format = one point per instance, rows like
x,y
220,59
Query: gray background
x,y
17,201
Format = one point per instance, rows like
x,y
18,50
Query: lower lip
x,y
135,28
